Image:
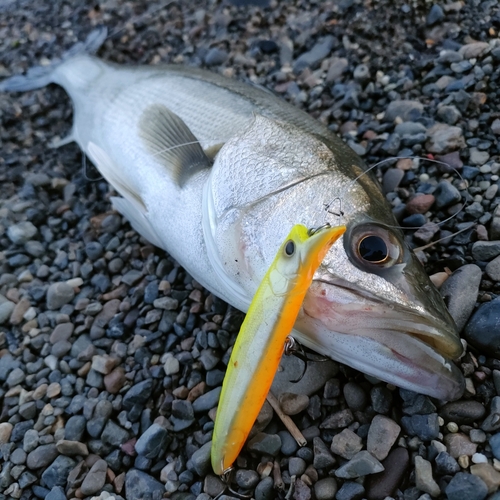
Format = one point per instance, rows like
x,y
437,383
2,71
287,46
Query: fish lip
x,y
440,335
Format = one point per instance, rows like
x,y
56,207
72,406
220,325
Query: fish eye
x,y
373,249
372,246
289,248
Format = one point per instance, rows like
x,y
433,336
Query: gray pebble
x,y
405,109
463,412
350,491
493,269
114,435
426,427
42,456
247,479
296,466
464,486
207,401
288,444
482,329
346,444
59,294
138,482
132,277
382,435
201,459
325,489
56,474
355,396
446,464
485,250
262,443
215,57
313,57
264,490
56,493
362,464
424,480
323,459
153,442
6,309
460,291
95,478
22,232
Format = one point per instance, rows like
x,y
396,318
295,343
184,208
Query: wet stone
x,y
288,444
464,486
423,477
325,489
132,277
22,232
485,250
444,138
426,427
215,57
338,420
312,58
75,427
292,404
201,459
56,493
362,464
346,444
114,435
138,394
460,291
459,444
493,269
446,464
264,490
408,111
355,396
488,474
247,479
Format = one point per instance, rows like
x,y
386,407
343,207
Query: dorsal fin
x,y
170,140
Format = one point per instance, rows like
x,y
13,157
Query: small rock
x,y
463,412
444,138
201,459
95,478
338,420
459,444
215,57
5,432
56,474
138,482
392,178
350,491
423,477
323,459
313,57
362,464
420,204
246,479
446,464
346,444
264,490
493,269
72,448
59,294
380,486
325,489
292,404
435,15
446,194
382,435
485,250
408,111
460,291
465,486
42,456
488,474
22,232
482,329
268,444
338,67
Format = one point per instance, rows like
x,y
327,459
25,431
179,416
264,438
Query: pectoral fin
x,y
173,144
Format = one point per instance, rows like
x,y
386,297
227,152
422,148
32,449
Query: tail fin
x,y
40,76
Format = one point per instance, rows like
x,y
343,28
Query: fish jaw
x,y
395,344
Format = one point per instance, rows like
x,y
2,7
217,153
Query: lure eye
x,y
372,247
289,248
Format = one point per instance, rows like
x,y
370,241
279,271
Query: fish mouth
x,y
410,348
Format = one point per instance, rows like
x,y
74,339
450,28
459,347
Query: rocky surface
x,y
112,356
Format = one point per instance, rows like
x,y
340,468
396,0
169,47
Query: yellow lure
x,y
261,340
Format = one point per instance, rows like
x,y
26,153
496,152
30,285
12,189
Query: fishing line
x,y
339,213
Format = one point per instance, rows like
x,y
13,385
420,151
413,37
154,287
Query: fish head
x,y
371,305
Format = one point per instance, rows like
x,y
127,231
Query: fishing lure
x,y
261,340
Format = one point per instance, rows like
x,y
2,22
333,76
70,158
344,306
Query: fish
x,y
261,341
214,170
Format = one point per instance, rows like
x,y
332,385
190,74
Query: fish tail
x,y
40,76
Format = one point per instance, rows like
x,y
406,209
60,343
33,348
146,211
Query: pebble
x,y
5,432
56,474
215,57
464,486
485,250
426,427
313,57
463,412
246,479
495,445
42,456
444,138
323,459
268,444
72,448
264,490
138,482
95,478
362,464
493,269
201,459
406,110
325,489
446,464
460,291
459,444
481,330
488,474
293,404
423,477
59,294
346,444
350,491
382,435
22,232
338,420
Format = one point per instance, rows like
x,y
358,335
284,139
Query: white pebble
x,y
74,282
479,458
452,427
30,314
463,461
51,361
424,177
494,178
171,366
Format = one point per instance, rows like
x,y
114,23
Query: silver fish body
x,y
223,209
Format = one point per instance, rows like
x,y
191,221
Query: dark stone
x,y
384,484
464,486
463,412
483,329
435,15
56,474
446,464
138,482
350,491
138,394
426,427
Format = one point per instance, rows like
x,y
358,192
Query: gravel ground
x,y
112,357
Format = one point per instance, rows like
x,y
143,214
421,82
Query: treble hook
x,y
226,479
86,170
327,206
292,347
